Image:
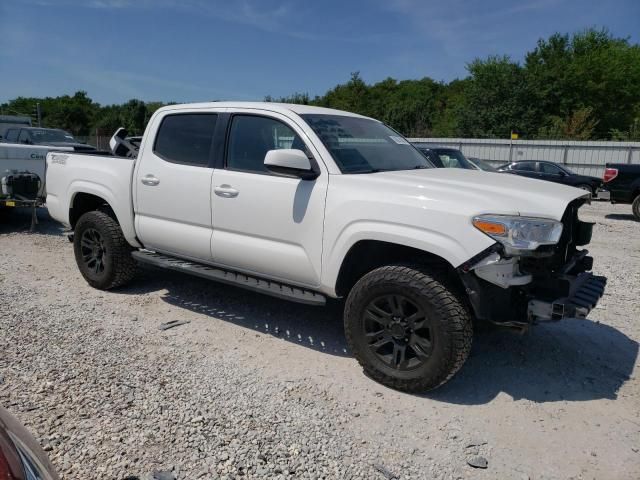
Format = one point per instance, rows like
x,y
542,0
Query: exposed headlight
x,y
519,233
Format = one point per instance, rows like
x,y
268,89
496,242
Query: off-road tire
x,y
451,323
635,207
119,265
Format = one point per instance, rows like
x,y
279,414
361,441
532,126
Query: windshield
x,y
483,165
47,136
452,158
362,145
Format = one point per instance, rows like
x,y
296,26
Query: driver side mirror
x,y
290,163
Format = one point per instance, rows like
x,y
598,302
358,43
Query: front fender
x,y
454,250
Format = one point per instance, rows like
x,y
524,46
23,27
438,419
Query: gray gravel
x,y
253,387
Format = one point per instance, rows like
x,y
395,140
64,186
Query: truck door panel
x,y
173,185
263,223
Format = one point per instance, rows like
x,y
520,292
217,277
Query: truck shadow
x,y
19,221
318,328
572,360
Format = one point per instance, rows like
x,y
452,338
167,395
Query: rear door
x,y
263,223
172,184
551,172
525,168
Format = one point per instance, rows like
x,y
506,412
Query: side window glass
x,y
253,136
24,135
524,167
186,138
12,135
549,169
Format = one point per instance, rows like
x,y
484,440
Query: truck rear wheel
x,y
102,253
635,206
407,328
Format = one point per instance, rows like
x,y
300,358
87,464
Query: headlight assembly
x,y
519,234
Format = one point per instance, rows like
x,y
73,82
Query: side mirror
x,y
563,174
290,163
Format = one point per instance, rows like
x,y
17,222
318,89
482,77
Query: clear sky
x,y
192,50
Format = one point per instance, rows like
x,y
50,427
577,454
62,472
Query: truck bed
x,y
107,177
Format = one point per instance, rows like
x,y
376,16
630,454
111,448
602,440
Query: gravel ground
x,y
254,387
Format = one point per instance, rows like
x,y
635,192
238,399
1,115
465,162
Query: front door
x,y
173,185
263,223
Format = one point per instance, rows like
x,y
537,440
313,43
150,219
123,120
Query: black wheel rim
x,y
398,332
93,250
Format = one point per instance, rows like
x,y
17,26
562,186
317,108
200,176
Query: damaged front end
x,y
549,279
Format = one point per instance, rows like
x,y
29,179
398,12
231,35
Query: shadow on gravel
x,y
620,216
19,221
312,327
572,360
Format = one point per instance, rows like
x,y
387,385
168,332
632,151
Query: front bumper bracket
x,y
585,292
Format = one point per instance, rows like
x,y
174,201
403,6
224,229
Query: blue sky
x,y
197,50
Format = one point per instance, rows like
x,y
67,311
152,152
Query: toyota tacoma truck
x,y
307,203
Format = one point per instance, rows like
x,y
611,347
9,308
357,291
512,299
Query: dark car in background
x,y
552,172
623,182
21,457
446,157
54,137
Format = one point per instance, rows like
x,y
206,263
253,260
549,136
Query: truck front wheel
x,y
635,207
102,253
407,328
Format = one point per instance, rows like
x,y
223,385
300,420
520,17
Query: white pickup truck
x,y
306,203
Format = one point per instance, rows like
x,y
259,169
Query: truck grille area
x,y
575,233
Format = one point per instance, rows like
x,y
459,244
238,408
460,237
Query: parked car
x,y
21,456
313,203
553,172
45,136
445,157
623,182
481,164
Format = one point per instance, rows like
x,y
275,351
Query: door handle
x,y
150,180
226,191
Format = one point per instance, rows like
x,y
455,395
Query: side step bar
x,y
256,284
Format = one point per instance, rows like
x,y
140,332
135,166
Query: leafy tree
x,y
580,125
496,99
590,69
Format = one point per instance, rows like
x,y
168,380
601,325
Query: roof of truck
x,y
272,106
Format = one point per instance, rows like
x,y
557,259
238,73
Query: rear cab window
x,y
186,138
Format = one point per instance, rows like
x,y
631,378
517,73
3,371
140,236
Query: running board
x,y
256,284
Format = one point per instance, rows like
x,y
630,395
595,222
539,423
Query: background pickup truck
x,y
307,203
623,182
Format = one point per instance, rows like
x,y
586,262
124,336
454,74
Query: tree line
x,y
582,86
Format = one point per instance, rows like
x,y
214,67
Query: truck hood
x,y
478,192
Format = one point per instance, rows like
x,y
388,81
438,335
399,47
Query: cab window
x,y
252,136
186,138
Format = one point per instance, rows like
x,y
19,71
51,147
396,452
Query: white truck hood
x,y
478,192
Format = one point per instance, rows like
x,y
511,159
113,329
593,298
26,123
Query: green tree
x,y
496,99
590,69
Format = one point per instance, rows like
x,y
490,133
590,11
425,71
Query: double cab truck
x,y
307,204
622,180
